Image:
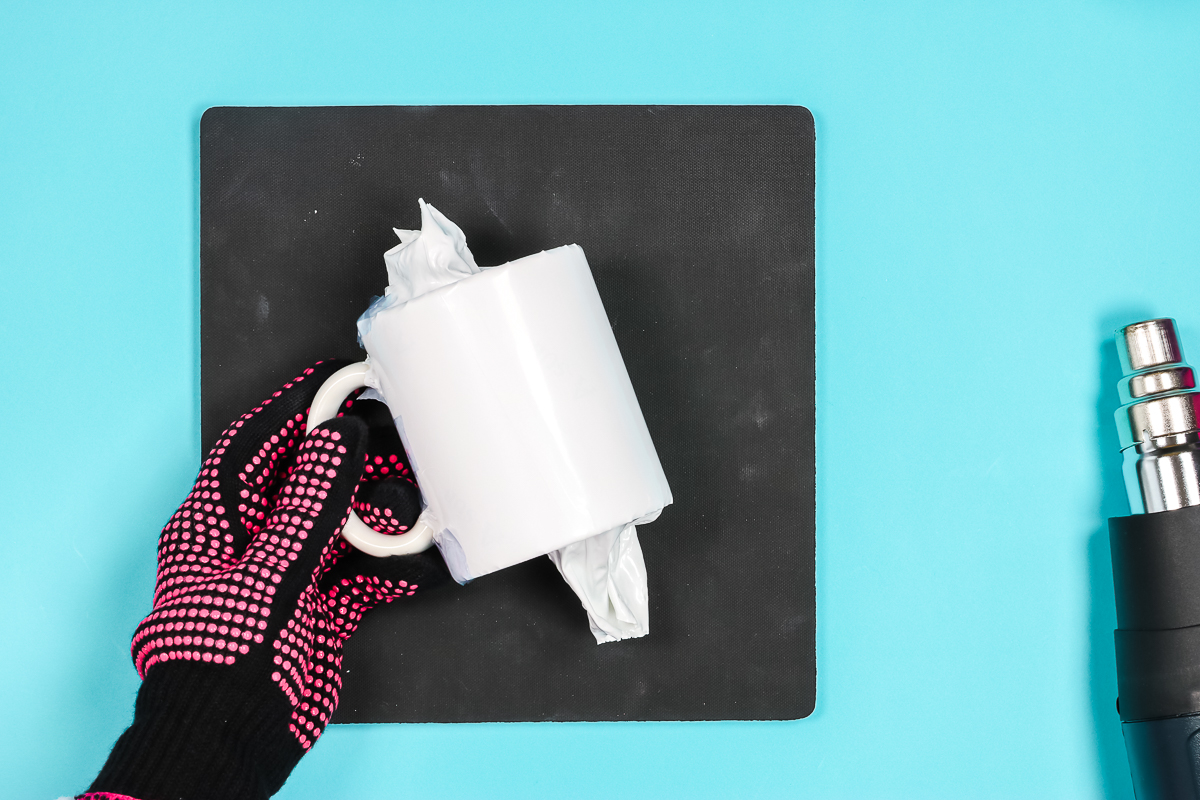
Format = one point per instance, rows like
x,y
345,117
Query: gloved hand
x,y
256,594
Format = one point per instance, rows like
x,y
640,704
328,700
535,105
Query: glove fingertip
x,y
348,431
389,506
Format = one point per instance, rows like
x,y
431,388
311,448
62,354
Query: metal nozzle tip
x,y
1159,423
1149,344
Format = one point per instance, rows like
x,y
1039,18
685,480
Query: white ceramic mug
x,y
515,409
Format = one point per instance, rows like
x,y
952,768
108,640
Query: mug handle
x,y
325,407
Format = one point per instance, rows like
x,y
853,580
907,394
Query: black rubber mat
x,y
698,224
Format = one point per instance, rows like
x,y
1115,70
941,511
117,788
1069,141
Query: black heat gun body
x,y
1156,564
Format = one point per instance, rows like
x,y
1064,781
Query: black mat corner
x,y
698,223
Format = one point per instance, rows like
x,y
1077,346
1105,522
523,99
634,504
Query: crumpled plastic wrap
x,y
518,416
608,574
426,259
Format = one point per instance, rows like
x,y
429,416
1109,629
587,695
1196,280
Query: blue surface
x,y
999,186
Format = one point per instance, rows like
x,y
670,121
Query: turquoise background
x,y
999,185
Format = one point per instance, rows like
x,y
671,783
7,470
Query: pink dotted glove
x,y
256,594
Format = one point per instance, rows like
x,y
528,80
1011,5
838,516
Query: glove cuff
x,y
198,734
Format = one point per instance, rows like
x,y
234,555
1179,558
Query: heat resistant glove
x,y
256,594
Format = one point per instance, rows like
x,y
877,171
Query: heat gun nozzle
x,y
1159,423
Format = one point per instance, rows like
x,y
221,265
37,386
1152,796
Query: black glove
x,y
256,594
